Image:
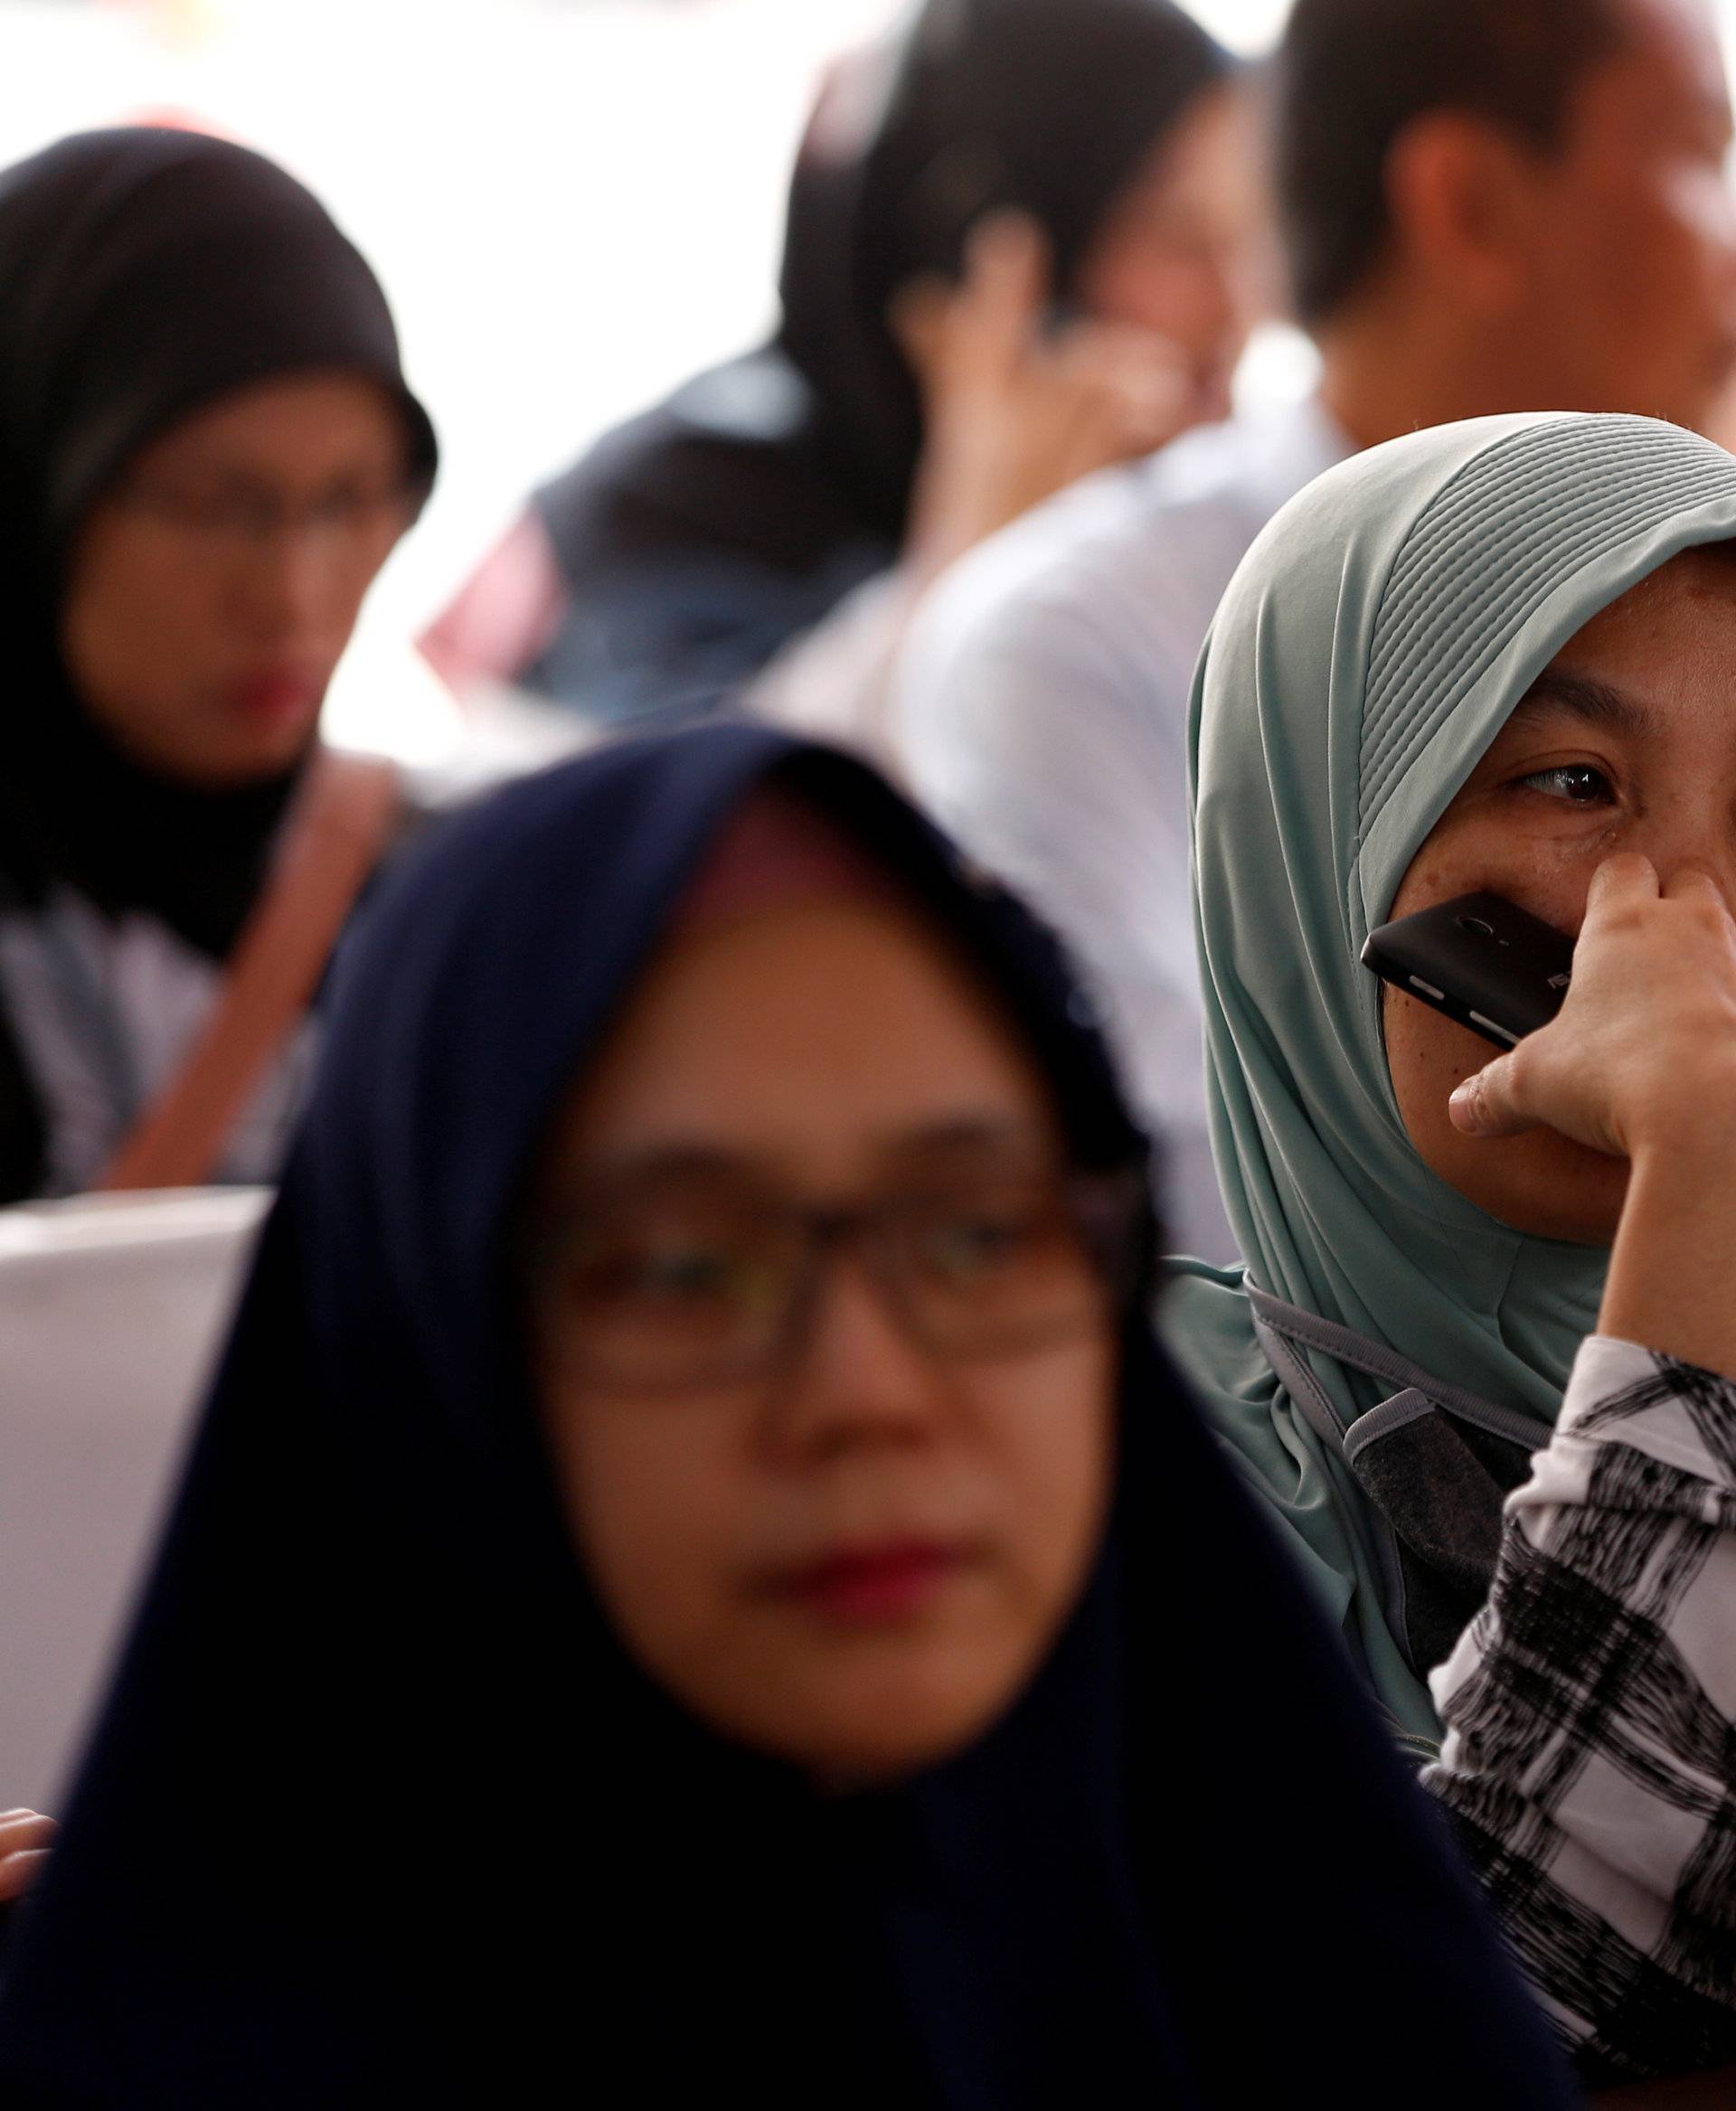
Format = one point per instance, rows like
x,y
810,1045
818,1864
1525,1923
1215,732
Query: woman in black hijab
x,y
885,426
677,1590
206,452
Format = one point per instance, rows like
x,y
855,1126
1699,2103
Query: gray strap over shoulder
x,y
1434,1461
1285,1331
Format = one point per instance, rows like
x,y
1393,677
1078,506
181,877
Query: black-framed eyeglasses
x,y
701,1278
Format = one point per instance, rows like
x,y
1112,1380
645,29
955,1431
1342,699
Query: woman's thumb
x,y
1487,1104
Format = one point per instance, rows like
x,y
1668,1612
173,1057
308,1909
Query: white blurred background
x,y
572,204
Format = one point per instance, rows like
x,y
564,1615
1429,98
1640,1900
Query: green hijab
x,y
1366,653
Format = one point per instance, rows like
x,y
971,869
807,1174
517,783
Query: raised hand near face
x,y
1644,1049
1641,1063
1019,406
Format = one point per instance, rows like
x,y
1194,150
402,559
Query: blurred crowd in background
x,y
459,142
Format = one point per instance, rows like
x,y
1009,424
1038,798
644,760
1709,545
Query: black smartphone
x,y
1481,959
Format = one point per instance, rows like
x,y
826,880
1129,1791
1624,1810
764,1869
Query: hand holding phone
x,y
1653,1000
1641,1065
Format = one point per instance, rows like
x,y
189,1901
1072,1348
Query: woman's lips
x,y
867,1586
276,695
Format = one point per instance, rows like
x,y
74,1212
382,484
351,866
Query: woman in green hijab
x,y
1498,656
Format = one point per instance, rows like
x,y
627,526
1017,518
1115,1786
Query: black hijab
x,y
378,1811
147,273
699,538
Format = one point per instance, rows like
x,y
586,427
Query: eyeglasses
x,y
696,1279
354,521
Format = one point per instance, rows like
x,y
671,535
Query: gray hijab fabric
x,y
1367,652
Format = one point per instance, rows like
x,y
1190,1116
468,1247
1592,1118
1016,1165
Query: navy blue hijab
x,y
378,1811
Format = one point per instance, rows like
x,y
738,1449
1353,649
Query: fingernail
x,y
1461,1108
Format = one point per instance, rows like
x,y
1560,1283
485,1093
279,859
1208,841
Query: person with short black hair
x,y
1491,208
1485,208
1357,72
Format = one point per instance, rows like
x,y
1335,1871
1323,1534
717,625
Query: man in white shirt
x,y
1486,206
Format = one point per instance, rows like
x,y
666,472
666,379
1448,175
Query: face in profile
x,y
1186,250
213,588
824,1357
1633,228
1627,743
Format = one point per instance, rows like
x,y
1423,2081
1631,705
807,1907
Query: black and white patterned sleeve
x,y
1589,1764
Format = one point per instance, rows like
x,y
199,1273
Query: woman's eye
x,y
673,1275
969,1244
692,1272
1578,782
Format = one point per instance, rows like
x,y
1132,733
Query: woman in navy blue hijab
x,y
692,1575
